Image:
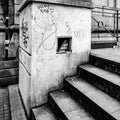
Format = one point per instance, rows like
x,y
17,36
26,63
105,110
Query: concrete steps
x,y
98,103
102,79
66,108
8,72
16,107
92,94
102,44
108,59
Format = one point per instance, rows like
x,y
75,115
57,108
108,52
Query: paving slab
x,y
16,107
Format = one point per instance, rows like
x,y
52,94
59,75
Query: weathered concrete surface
x,y
64,105
101,101
49,68
41,25
24,86
112,54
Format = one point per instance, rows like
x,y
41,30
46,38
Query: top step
x,y
112,54
108,59
9,64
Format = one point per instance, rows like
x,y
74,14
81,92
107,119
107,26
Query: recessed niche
x,y
64,44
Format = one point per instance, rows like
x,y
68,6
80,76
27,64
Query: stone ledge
x,y
76,3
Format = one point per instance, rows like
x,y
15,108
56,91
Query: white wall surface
x,y
45,70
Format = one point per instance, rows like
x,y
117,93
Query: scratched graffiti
x,y
44,8
69,31
45,19
25,32
79,33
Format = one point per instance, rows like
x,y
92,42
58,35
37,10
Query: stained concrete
x,y
42,68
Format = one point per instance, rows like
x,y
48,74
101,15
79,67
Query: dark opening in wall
x,y
64,44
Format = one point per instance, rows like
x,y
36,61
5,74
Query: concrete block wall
x,y
42,68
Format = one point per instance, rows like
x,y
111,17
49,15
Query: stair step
x,y
9,72
16,107
104,80
66,108
98,103
102,44
9,80
108,59
9,64
43,112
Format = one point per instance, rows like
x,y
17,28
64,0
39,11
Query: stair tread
x,y
9,72
70,107
107,103
9,64
108,53
43,113
109,76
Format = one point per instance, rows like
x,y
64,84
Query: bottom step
x,y
43,113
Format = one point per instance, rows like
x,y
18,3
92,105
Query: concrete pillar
x,y
55,37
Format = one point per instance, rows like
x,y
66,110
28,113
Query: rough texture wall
x,y
42,68
49,67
